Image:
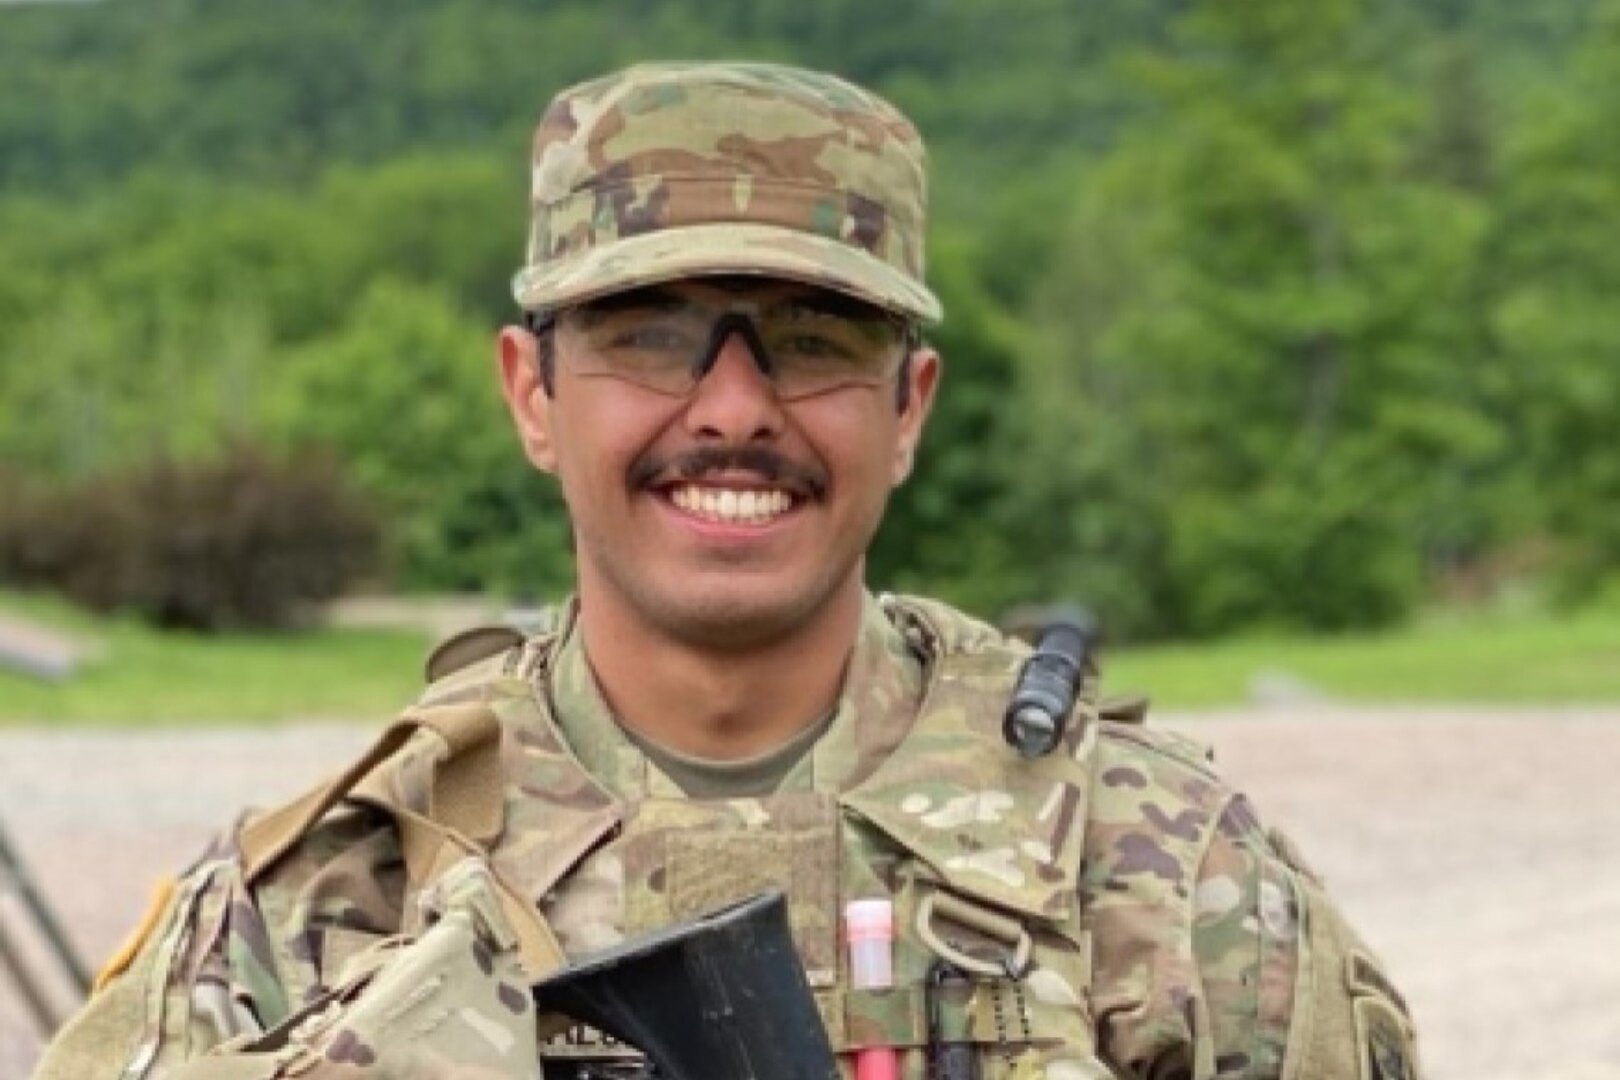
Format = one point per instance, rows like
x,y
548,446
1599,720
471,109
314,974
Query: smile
x,y
731,506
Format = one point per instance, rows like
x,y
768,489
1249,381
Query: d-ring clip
x,y
1007,931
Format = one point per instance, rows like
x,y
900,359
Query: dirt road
x,y
1478,850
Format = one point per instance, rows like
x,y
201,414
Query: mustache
x,y
761,461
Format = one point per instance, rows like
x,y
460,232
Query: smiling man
x,y
726,446
721,358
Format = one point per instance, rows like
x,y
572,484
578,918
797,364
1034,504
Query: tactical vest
x,y
1012,880
978,849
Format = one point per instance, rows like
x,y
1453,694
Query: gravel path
x,y
1478,850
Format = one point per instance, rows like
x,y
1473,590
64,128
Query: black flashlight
x,y
1044,696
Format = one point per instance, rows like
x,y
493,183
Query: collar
x,y
883,685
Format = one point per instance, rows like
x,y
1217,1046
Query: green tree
x,y
1224,344
1260,292
405,392
1553,274
946,530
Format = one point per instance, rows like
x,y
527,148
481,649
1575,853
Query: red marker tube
x,y
869,932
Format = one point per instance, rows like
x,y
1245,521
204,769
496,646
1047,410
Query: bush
x,y
1328,557
242,541
405,392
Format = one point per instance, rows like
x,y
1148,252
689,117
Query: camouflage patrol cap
x,y
667,171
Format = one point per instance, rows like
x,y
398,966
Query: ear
x,y
923,370
517,355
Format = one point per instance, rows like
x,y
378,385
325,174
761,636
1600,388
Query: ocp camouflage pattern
x,y
1168,935
665,171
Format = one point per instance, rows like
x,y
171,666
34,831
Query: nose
x,y
734,402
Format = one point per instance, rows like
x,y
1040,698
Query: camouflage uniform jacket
x,y
1156,928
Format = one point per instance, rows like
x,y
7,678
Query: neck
x,y
721,704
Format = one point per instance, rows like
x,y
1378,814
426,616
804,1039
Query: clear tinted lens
x,y
662,343
814,350
654,346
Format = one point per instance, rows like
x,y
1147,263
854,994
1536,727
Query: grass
x,y
142,676
1449,657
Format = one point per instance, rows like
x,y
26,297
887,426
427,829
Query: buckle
x,y
1006,931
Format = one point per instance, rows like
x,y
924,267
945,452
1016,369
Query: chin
x,y
723,608
741,619
734,623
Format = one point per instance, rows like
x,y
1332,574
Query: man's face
x,y
718,514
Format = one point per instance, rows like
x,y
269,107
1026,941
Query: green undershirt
x,y
746,778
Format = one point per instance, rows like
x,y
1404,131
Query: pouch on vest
x,y
978,848
457,997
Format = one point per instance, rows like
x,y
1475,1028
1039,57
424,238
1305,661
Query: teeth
x,y
746,507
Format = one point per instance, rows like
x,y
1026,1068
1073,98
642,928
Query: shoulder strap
x,y
431,850
466,792
464,815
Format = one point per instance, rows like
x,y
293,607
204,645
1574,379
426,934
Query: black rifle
x,y
720,997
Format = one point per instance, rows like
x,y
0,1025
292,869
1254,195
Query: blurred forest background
x,y
1280,313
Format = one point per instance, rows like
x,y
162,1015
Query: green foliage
x,y
1551,280
1322,553
1268,305
94,91
405,392
937,536
1267,314
247,541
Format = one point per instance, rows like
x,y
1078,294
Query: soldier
x,y
721,361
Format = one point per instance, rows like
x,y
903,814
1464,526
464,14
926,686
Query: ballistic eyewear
x,y
806,345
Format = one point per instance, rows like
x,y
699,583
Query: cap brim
x,y
723,248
